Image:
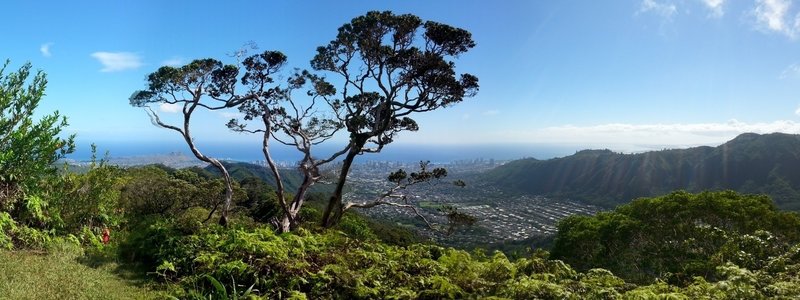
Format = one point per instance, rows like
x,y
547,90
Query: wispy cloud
x,y
733,126
491,112
665,10
648,135
791,71
716,7
797,111
169,108
118,61
173,62
466,116
773,16
45,49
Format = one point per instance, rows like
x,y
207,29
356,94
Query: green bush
x,y
678,236
356,227
151,190
14,235
85,199
191,220
28,148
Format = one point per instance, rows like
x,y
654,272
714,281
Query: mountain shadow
x,y
750,163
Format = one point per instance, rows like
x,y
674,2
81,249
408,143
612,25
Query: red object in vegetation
x,y
106,235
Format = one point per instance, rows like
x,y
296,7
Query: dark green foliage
x,y
678,236
147,239
152,191
751,163
86,199
155,190
391,233
261,199
292,179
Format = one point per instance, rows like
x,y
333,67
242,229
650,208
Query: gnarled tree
x,y
204,84
389,72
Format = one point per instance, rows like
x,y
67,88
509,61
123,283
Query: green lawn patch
x,y
31,275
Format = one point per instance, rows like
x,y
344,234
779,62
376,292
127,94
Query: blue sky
x,y
625,75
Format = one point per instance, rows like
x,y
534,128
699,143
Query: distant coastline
x,y
250,152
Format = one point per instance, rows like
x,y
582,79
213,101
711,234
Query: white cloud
x,y
716,7
491,112
45,49
797,111
169,108
791,71
231,115
117,61
633,137
771,16
173,62
666,10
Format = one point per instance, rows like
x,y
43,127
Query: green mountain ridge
x,y
750,163
292,178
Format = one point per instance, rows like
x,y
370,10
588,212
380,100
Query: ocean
x,y
239,151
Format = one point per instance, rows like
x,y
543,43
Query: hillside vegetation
x,y
681,246
750,163
714,245
679,236
241,170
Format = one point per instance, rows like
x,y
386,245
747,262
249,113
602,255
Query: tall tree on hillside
x,y
389,72
205,84
28,148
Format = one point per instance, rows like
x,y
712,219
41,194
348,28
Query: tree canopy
x,y
390,71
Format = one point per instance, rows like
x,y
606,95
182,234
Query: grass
x,y
31,275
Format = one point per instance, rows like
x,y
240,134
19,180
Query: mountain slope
x,y
291,178
750,163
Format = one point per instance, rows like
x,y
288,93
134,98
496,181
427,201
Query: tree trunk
x,y
187,136
289,221
335,209
286,223
226,206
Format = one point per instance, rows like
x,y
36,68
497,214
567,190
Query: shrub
x,y
678,236
28,148
85,199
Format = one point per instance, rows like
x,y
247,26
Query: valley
x,y
501,216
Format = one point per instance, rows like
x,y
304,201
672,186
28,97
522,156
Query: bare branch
x,y
407,206
333,156
157,121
